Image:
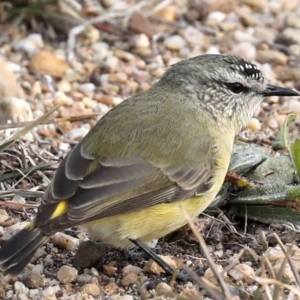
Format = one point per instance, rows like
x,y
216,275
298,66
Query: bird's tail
x,y
17,252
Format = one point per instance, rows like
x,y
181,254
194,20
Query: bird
x,y
156,153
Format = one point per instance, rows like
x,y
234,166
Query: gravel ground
x,y
124,53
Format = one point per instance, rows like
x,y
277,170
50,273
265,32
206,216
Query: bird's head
x,y
228,87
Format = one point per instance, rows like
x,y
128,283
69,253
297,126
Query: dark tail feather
x,y
17,252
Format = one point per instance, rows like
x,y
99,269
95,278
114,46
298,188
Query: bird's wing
x,y
96,189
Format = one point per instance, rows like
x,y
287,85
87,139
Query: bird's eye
x,y
235,87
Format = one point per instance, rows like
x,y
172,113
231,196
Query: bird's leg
x,y
167,268
182,275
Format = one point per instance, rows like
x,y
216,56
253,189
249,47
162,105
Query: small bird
x,y
156,153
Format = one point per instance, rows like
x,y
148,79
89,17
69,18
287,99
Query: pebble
x,y
66,274
33,279
215,17
96,252
152,267
132,269
122,297
45,63
189,291
64,86
129,279
274,253
210,276
77,134
20,288
5,219
33,293
15,110
30,44
288,36
242,272
271,57
193,36
111,289
109,270
244,50
292,20
168,13
163,288
88,89
65,241
174,42
142,41
60,98
91,289
254,125
48,293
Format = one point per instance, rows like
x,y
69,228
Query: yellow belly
x,y
153,222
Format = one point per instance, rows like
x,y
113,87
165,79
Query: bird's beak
x,y
272,90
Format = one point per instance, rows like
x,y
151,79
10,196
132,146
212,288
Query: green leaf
x,y
283,142
295,153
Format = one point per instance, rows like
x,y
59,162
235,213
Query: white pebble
x,y
88,89
174,42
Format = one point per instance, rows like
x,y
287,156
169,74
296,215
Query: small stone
x,y
292,106
111,289
254,125
196,10
14,110
84,278
274,253
210,276
256,4
129,279
271,122
153,267
242,272
5,219
91,289
9,86
45,63
64,86
292,20
88,102
88,89
244,50
189,291
174,42
66,274
141,40
22,297
132,269
61,98
77,134
288,36
65,241
95,252
48,293
163,288
30,45
139,23
20,288
33,279
109,270
271,57
33,293
121,297
168,13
